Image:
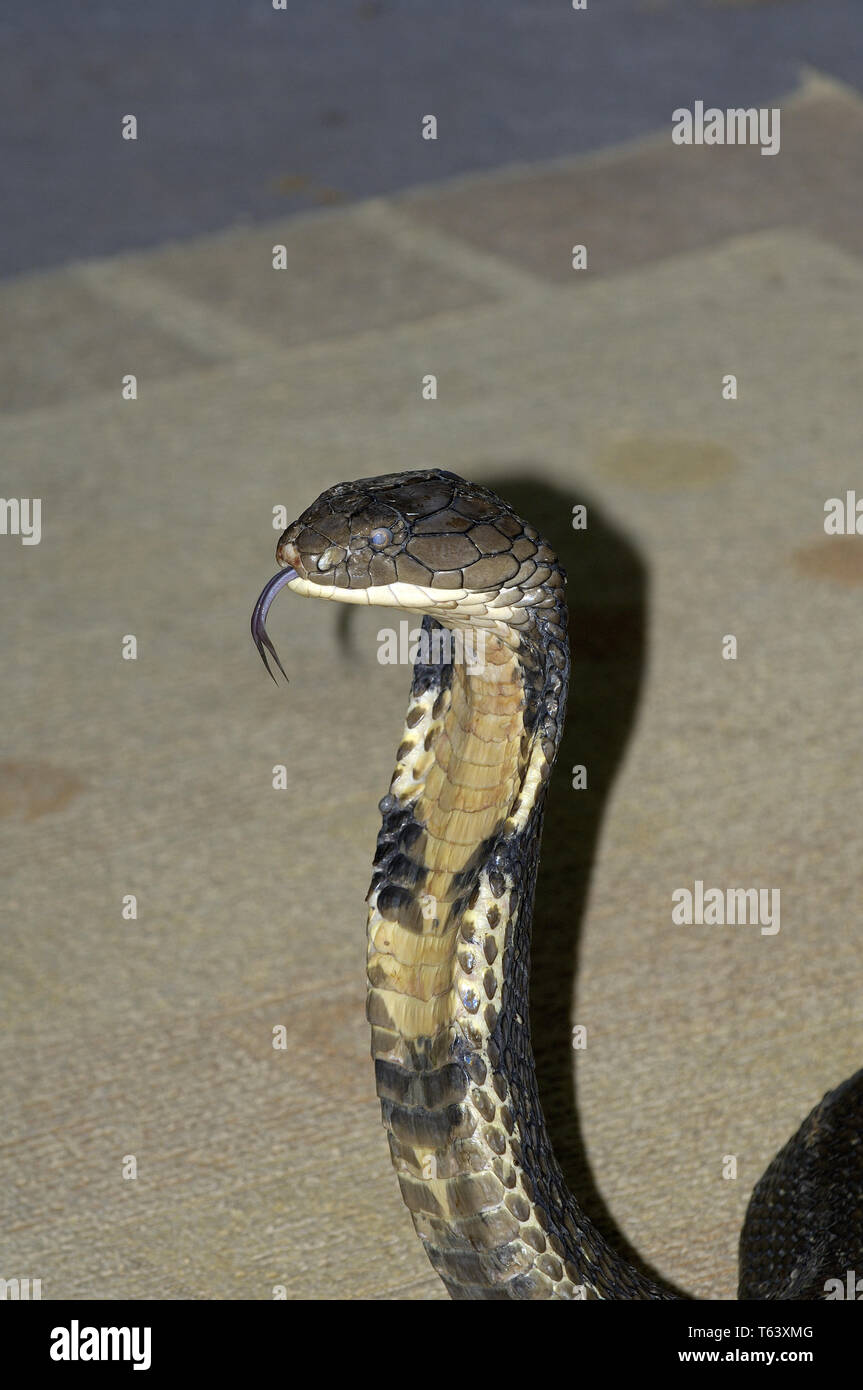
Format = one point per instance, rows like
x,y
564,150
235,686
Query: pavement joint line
x,y
221,339
269,362
273,358
815,84
213,334
409,233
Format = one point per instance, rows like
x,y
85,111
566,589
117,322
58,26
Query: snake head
x,y
428,529
426,542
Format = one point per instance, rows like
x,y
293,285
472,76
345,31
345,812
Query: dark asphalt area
x,y
245,112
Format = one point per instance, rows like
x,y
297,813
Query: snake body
x,y
450,909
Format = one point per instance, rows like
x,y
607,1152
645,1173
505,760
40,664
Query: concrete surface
x,y
153,1037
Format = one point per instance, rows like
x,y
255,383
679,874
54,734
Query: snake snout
x,y
288,555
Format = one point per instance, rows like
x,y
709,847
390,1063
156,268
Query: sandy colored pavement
x,y
153,1037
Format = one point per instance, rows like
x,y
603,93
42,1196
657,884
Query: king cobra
x,y
451,903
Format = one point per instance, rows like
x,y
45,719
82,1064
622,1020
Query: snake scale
x,y
451,903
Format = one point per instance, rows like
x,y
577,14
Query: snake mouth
x,y
259,619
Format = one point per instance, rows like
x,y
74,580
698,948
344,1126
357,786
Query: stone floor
x,y
152,1037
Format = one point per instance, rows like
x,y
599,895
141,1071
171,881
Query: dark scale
x,y
432,675
395,868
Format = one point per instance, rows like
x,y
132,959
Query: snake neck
x,y
449,923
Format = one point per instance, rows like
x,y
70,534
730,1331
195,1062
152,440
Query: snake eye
x,y
380,538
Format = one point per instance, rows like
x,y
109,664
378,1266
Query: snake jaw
x,y
260,636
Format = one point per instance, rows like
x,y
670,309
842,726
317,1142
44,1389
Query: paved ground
x,y
153,1037
246,113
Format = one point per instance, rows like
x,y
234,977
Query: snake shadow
x,y
607,594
